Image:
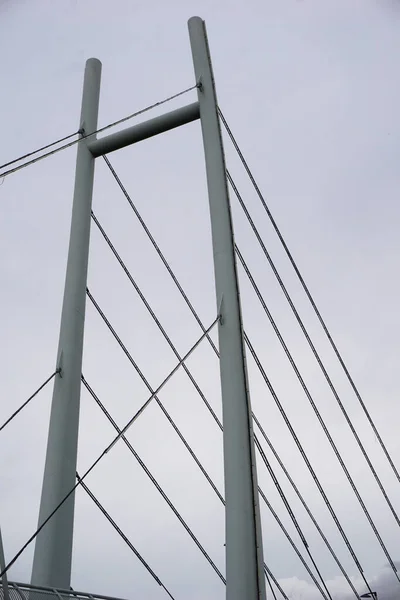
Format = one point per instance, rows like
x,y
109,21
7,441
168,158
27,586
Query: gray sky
x,y
311,91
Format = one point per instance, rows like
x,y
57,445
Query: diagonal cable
x,y
305,505
63,139
153,480
30,398
155,318
129,356
101,405
106,450
180,363
156,398
292,516
318,414
267,577
195,314
311,299
267,572
177,283
305,457
122,535
132,361
160,254
83,136
311,345
311,574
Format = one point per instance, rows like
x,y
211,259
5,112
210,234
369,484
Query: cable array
x,y
318,415
293,518
199,321
155,318
305,458
154,395
306,335
153,480
309,296
171,421
106,450
157,249
122,535
306,507
129,356
318,580
84,136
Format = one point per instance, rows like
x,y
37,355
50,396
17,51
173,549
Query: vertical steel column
x,y
53,550
244,551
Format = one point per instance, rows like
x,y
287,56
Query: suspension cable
x,y
154,481
130,358
30,398
281,525
305,457
310,298
122,535
155,318
192,309
101,405
318,414
86,136
305,505
132,361
295,548
291,514
63,139
105,451
185,297
156,398
267,572
160,254
181,362
267,577
312,347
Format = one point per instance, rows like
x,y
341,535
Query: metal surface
x,y
244,551
145,130
23,591
53,549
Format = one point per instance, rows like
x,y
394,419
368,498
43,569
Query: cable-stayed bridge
x,y
239,354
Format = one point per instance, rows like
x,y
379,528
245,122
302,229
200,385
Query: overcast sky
x,y
311,90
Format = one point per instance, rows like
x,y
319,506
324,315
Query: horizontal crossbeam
x,y
145,130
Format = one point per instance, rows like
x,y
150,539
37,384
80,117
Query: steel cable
x,y
30,398
310,298
318,414
122,535
153,480
312,347
86,136
105,451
